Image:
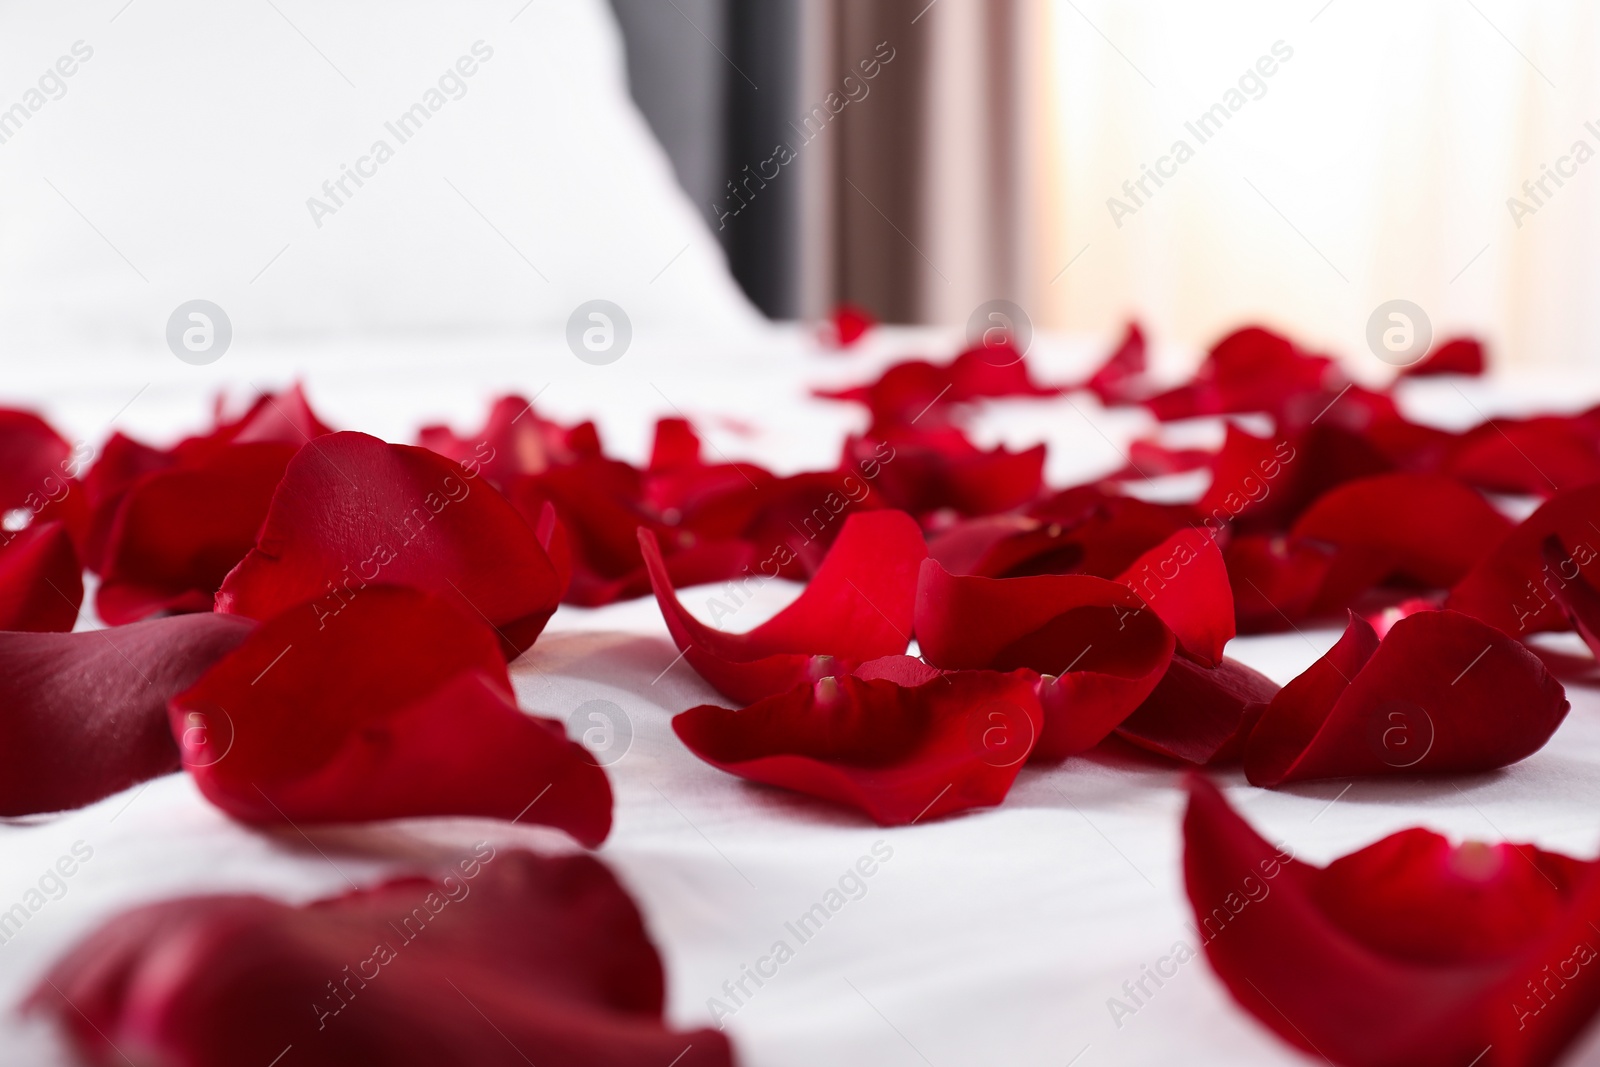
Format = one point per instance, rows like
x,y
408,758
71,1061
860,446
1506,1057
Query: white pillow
x,y
186,156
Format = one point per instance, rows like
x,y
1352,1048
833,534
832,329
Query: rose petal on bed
x,y
352,510
41,581
1459,355
1418,528
1579,599
1533,457
1509,588
398,705
858,607
84,715
1275,579
1251,369
927,471
1185,582
503,959
514,440
914,390
1119,379
1101,648
1200,714
179,531
900,754
1447,954
849,324
1442,692
33,457
1262,484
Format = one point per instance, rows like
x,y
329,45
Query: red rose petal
x,y
1459,355
509,958
1249,370
1419,528
85,714
1509,587
1408,952
1536,457
1579,599
41,581
899,754
515,440
1200,714
913,390
178,532
858,607
352,510
1107,648
33,459
1117,379
398,705
850,324
1275,579
1442,692
1185,582
928,471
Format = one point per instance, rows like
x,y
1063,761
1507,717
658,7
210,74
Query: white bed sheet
x,y
993,938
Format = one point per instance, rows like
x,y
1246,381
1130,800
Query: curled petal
x,y
178,532
352,511
1275,580
1459,355
1118,379
1200,714
1509,587
1185,582
505,959
399,705
897,753
858,607
1441,692
1446,955
84,715
41,581
1420,528
1102,647
515,440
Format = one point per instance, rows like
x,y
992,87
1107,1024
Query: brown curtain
x,y
917,195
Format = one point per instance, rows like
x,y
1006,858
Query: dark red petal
x,y
858,607
1200,714
676,445
909,392
33,458
121,463
178,532
1262,484
84,715
1408,953
925,472
1459,355
1185,582
1536,456
397,705
1419,528
1275,580
899,754
1509,587
508,958
1442,692
1577,597
1107,647
1249,370
41,581
791,522
352,510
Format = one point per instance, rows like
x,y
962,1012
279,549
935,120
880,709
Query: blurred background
x,y
1357,151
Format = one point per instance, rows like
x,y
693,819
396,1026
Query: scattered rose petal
x,y
1118,379
352,510
515,440
899,754
1275,579
1185,582
84,715
179,531
1419,528
1459,355
41,581
1510,588
1200,714
400,705
858,607
1411,951
1101,645
850,323
506,959
1441,692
